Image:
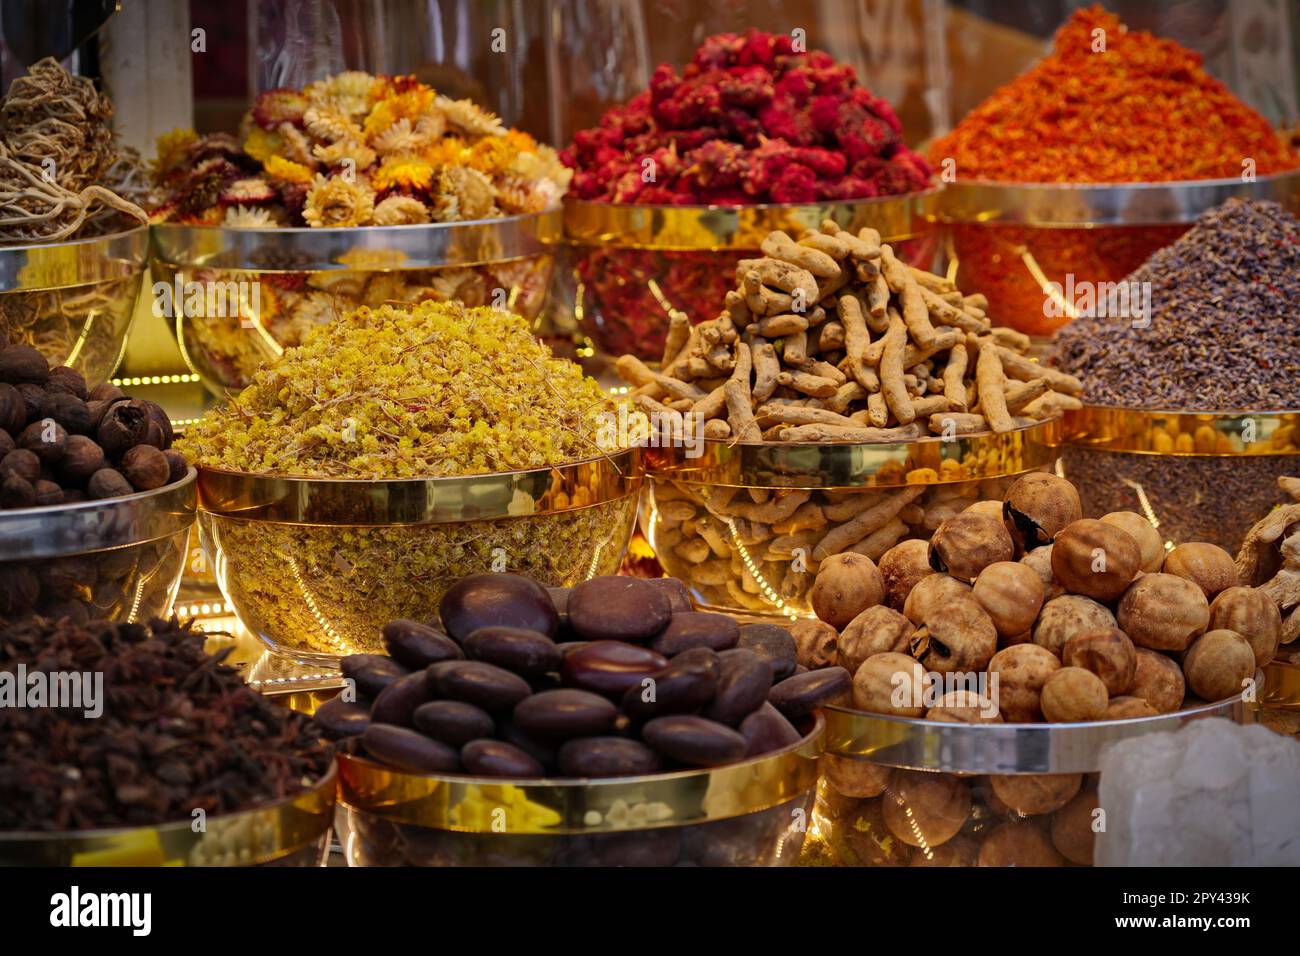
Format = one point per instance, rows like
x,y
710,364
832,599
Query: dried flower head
x,y
338,202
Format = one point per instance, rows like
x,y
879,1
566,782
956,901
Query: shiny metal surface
x,y
511,494
64,530
999,748
1106,204
77,262
714,228
1184,433
365,248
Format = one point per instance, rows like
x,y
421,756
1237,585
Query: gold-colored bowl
x,y
633,265
752,813
293,831
727,521
1196,476
237,298
314,567
74,301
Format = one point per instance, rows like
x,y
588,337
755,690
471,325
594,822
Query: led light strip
x,y
137,381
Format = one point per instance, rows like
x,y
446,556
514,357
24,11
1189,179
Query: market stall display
x,y
393,453
749,122
1049,185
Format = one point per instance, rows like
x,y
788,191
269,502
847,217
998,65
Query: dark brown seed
x,y
177,465
496,758
67,380
417,645
397,702
607,757
48,493
679,596
13,410
772,643
145,467
34,397
6,443
493,688
125,425
408,750
542,753
610,667
556,715
454,722
107,392
371,673
527,653
689,629
81,459
22,463
338,718
694,740
766,730
617,608
108,483
23,364
798,696
46,439
70,412
490,600
16,492
684,686
746,678
159,417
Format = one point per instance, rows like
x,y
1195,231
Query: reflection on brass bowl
x,y
293,831
74,300
634,266
119,559
724,521
314,567
752,813
262,290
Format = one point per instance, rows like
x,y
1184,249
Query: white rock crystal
x,y
1214,793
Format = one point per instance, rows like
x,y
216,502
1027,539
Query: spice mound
x,y
1222,332
355,150
749,120
1138,109
424,391
179,731
831,338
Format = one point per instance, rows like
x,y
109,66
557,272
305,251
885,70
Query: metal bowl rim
x,y
139,228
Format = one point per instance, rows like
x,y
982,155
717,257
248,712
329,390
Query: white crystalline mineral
x,y
1214,793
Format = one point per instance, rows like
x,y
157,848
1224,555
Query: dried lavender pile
x,y
179,731
1224,333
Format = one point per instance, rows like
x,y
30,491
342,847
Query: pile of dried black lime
x,y
179,730
1224,333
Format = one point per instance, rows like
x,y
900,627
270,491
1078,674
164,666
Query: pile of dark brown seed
x,y
1225,321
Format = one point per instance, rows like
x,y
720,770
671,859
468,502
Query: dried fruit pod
x,y
1072,826
902,567
46,439
1163,612
1067,616
1252,614
1207,565
964,707
932,592
22,364
125,425
1143,533
145,467
81,459
1037,507
13,410
855,778
846,585
1035,793
924,808
1128,707
969,542
1073,695
816,643
877,630
108,483
1095,559
957,638
1218,665
1158,680
1107,653
891,684
1021,671
1011,594
1040,562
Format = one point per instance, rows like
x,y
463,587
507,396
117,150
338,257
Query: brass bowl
x,y
293,831
752,813
314,567
704,516
264,289
634,265
74,300
120,559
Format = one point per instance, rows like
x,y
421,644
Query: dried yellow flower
x,y
339,202
401,211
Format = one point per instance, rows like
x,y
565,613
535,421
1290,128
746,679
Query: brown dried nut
x,y
21,364
1163,612
901,567
877,630
891,684
1108,653
855,778
1141,531
846,585
13,410
1073,695
967,543
990,508
107,392
1011,594
1019,843
70,412
108,483
68,381
1218,665
1128,707
1158,680
958,637
1021,671
960,851
1072,827
1035,793
1252,614
924,808
16,491
48,493
1040,562
178,467
1064,617
815,643
159,417
1037,507
81,459
964,707
125,424
1209,566
145,467
1095,559
46,439
933,591
22,463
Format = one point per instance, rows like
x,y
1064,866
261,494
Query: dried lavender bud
x,y
178,465
13,409
145,467
68,381
46,439
70,412
22,363
48,493
16,492
81,459
108,483
23,463
107,392
125,424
